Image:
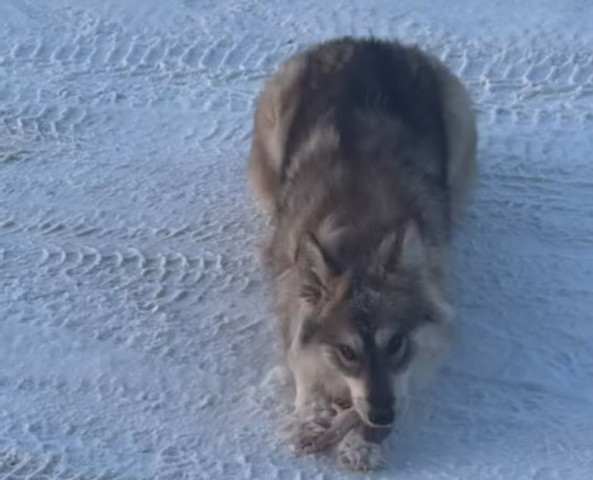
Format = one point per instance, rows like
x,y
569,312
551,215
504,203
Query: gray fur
x,y
363,153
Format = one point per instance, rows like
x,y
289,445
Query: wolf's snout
x,y
381,417
376,414
380,403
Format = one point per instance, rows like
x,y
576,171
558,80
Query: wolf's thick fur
x,y
364,154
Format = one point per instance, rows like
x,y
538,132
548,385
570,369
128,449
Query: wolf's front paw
x,y
308,433
303,434
356,453
307,425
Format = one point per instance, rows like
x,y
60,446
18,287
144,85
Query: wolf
x,y
364,156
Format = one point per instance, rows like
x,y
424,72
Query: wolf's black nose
x,y
381,417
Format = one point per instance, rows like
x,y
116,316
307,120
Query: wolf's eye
x,y
396,344
347,353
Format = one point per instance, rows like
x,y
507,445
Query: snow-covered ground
x,y
135,338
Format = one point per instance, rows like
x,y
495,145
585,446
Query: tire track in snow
x,y
508,83
95,230
16,465
42,459
110,49
45,120
141,300
152,280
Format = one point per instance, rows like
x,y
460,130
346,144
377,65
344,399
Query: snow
x,y
135,322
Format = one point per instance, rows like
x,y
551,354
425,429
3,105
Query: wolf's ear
x,y
317,269
403,249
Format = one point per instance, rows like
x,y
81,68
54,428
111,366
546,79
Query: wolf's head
x,y
375,321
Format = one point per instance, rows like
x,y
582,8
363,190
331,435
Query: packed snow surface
x,y
135,322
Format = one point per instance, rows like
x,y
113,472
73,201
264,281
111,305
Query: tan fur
x,y
274,111
360,244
